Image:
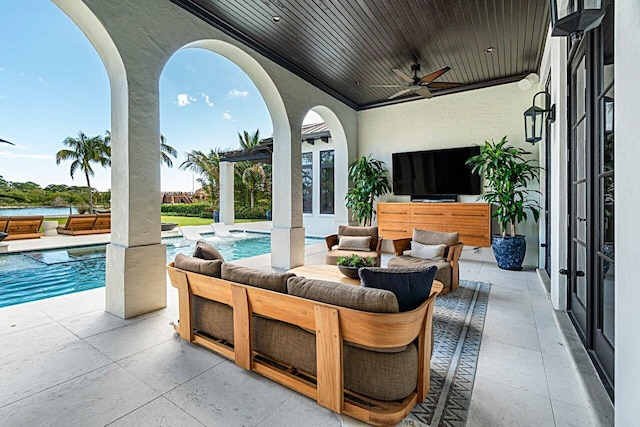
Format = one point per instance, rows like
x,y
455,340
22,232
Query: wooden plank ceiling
x,y
344,46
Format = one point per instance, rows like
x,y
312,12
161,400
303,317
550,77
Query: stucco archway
x,y
341,162
287,233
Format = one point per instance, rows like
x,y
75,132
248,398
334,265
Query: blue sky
x,y
53,85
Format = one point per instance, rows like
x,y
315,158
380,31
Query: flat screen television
x,y
428,174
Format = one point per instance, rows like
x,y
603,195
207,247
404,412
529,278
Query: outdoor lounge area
x,y
532,317
139,372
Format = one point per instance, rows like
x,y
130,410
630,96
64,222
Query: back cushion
x,y
427,237
349,296
411,286
206,251
196,265
258,278
347,230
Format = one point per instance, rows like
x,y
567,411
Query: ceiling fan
x,y
419,85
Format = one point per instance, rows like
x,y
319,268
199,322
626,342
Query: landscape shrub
x,y
181,209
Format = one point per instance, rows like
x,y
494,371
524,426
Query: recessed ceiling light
x,y
489,49
276,19
358,82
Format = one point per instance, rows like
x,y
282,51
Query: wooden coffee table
x,y
333,274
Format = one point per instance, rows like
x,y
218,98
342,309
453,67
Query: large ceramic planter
x,y
216,216
509,251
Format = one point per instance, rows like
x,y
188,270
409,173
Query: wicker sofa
x,y
347,347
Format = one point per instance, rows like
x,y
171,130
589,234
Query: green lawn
x,y
180,220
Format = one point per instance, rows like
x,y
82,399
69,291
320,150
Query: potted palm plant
x,y
370,180
507,174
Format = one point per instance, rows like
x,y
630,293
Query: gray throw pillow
x,y
196,265
205,250
411,285
355,243
430,252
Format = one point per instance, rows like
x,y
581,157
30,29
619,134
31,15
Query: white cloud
x,y
184,99
206,99
235,93
41,80
8,155
1,69
226,115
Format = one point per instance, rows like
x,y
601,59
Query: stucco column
x,y
136,258
227,214
287,234
627,204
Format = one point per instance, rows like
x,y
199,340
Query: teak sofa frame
x,y
332,325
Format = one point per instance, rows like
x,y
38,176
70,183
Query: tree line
x,y
252,183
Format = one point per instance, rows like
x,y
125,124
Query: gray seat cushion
x,y
444,267
380,375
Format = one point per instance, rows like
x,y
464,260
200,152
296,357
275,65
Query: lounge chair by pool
x,y
81,224
24,227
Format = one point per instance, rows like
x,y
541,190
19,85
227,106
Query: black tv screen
x,y
435,172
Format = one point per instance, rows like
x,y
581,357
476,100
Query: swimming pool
x,y
30,276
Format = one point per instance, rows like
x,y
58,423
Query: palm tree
x,y
208,167
166,151
253,178
84,151
247,141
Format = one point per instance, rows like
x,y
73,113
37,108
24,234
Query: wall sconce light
x,y
575,17
533,118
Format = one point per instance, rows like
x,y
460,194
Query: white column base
x,y
287,247
136,279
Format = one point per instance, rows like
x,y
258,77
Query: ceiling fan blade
x,y
424,92
431,77
403,76
442,85
402,92
387,86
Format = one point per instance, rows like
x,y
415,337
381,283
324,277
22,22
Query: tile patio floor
x,y
64,361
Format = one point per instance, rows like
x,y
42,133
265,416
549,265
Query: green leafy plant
x,y
507,174
370,180
356,261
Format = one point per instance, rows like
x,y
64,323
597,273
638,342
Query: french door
x,y
591,273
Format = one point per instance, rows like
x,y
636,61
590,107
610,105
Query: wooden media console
x,y
471,220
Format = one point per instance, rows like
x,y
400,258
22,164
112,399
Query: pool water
x,y
30,276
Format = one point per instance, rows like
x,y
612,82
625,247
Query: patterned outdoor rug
x,y
458,322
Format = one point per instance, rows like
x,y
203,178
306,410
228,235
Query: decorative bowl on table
x,y
350,265
351,272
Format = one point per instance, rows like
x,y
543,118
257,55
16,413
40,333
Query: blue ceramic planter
x,y
216,216
509,251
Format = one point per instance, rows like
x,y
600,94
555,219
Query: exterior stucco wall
x,y
457,120
627,206
554,66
